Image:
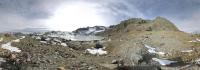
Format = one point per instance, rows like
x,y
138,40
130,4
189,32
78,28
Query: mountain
x,y
140,25
90,30
130,39
133,44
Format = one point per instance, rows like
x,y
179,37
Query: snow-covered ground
x,y
94,51
153,50
9,47
17,40
197,61
196,40
163,61
188,51
63,44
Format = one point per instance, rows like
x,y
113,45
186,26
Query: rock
x,y
84,64
60,68
49,61
27,56
48,39
114,61
97,46
56,40
90,68
43,38
12,56
43,42
52,42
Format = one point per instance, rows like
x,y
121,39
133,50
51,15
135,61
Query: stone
x,y
12,56
60,68
114,61
97,46
90,68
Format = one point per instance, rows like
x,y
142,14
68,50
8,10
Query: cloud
x,y
192,24
32,13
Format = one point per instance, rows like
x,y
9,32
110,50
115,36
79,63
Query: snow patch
x,y
197,61
1,39
43,42
17,40
63,44
9,47
196,40
163,62
99,51
22,37
192,41
153,50
188,51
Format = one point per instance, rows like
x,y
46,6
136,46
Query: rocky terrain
x,y
134,44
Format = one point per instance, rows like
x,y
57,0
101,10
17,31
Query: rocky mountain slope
x,y
90,30
134,44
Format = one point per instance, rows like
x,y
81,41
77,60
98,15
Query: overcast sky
x,y
68,15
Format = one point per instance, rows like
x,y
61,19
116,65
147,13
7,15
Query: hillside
x,y
140,25
132,44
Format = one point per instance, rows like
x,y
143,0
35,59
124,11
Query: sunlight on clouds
x,y
68,17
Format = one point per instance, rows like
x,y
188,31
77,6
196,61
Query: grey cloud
x,y
28,13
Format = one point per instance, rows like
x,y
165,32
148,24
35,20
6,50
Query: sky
x,y
68,15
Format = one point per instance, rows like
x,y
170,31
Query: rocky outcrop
x,y
90,30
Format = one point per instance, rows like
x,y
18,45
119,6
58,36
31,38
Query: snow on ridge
x,y
9,47
94,51
153,50
164,62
